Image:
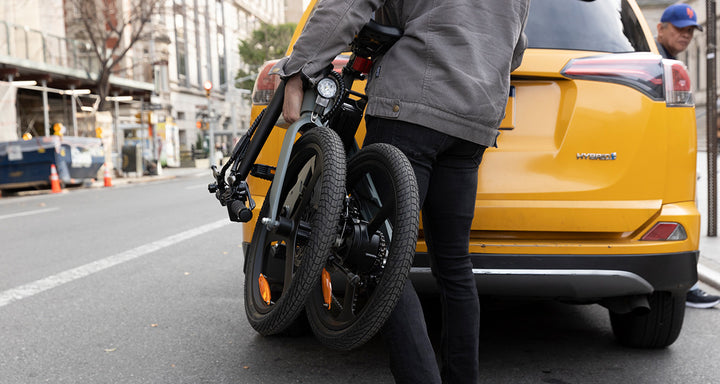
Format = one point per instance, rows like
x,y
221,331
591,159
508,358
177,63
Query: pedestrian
x,y
674,33
438,94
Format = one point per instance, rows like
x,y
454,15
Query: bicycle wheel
x,y
284,263
366,274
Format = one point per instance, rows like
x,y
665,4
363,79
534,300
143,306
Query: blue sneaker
x,y
697,298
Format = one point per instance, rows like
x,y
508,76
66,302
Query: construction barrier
x,y
108,178
54,180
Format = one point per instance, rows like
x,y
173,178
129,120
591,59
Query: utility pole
x,y
711,105
211,117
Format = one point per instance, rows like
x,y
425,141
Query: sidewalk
x,y
709,264
165,174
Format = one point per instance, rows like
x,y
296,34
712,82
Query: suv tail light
x,y
665,231
660,79
265,84
677,84
267,81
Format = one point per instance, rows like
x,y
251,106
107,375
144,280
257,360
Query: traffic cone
x,y
108,179
54,180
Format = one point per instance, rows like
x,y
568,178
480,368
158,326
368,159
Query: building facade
x,y
156,92
205,48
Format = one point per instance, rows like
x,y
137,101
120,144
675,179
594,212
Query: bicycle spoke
x,y
310,192
381,217
289,265
348,307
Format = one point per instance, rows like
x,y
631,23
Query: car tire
x,y
658,328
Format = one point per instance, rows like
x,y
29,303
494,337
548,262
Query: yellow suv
x,y
590,195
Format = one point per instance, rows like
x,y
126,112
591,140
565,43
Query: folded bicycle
x,y
337,230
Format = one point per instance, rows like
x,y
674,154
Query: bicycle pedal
x,y
262,171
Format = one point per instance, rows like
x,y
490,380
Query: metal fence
x,y
24,43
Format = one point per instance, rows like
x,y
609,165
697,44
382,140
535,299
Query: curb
x,y
100,184
708,276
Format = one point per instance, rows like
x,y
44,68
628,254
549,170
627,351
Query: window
x,y
180,41
605,26
198,45
222,56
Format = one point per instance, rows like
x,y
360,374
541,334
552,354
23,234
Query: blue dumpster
x,y
26,163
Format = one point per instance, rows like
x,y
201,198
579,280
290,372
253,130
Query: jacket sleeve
x,y
518,52
328,32
520,46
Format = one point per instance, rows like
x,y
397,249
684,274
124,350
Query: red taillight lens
x,y
265,84
362,64
267,81
665,231
660,79
678,92
641,71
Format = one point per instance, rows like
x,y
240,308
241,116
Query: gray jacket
x,y
449,72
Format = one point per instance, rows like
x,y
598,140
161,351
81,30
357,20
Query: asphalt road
x,y
143,284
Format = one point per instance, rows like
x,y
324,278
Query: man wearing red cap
x,y
674,33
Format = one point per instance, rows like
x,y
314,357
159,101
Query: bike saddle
x,y
375,39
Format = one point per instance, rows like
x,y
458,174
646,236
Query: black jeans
x,y
446,169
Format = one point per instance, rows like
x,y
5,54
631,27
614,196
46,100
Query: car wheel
x,y
658,328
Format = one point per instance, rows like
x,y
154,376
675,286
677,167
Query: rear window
x,y
600,25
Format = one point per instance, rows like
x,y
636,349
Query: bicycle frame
x,y
234,193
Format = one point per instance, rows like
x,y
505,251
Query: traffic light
x,y
144,117
208,87
98,132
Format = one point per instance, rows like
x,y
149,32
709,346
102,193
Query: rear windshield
x,y
600,25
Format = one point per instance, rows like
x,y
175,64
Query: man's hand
x,y
293,99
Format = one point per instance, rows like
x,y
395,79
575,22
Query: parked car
x,y
590,195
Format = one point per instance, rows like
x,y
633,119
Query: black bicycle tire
x,y
330,191
401,250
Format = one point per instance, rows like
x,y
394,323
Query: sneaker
x,y
697,298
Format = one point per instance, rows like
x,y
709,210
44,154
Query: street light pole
x,y
73,102
711,106
46,106
208,87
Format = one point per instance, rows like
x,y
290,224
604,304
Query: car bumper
x,y
584,278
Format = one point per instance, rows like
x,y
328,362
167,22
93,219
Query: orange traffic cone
x,y
108,179
54,180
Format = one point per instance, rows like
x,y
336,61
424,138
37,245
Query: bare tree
x,y
112,28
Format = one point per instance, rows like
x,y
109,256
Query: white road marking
x,y
197,186
54,281
28,213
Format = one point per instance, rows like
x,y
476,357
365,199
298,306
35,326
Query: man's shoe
x,y
697,298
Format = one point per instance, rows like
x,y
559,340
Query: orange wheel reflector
x,y
326,288
264,289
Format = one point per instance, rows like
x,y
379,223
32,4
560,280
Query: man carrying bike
x,y
438,95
